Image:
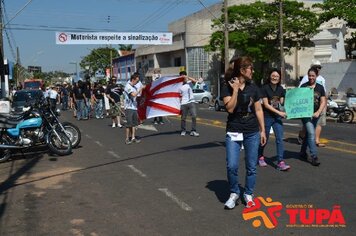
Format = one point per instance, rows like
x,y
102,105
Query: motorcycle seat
x,y
11,120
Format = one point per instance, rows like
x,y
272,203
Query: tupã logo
x,y
269,218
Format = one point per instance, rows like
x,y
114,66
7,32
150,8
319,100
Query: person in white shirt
x,y
131,92
53,96
188,105
322,120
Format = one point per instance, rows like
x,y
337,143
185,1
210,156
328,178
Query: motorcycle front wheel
x,y
59,143
347,116
73,133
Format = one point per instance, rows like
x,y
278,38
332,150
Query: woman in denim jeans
x,y
273,97
310,123
245,126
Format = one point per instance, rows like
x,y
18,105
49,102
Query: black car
x,y
25,98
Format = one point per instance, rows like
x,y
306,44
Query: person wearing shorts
x,y
131,92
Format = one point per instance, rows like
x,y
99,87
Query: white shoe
x,y
119,125
113,125
183,133
249,200
231,202
194,133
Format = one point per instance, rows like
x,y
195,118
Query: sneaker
x,y
128,141
249,200
155,123
194,133
315,161
282,166
183,133
261,161
119,125
161,123
134,140
113,125
231,202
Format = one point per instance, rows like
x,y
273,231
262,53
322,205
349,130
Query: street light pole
x,y
226,36
76,70
2,66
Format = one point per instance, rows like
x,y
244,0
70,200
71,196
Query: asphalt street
x,y
174,185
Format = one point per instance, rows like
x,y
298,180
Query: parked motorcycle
x,y
71,130
29,129
339,112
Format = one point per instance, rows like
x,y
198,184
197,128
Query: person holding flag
x,y
188,105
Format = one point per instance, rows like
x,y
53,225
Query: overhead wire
x,y
159,14
18,12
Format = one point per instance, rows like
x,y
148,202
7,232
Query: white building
x,y
192,33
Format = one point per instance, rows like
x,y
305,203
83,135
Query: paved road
x,y
171,185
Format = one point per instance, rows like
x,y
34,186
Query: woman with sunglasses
x,y
245,126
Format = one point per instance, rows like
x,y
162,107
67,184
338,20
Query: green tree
x,y
254,29
98,59
342,9
125,47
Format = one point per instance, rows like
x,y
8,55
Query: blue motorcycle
x,y
28,129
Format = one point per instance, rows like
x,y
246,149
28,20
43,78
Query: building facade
x,y
192,33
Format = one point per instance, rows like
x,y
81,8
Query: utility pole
x,y
2,66
281,42
226,36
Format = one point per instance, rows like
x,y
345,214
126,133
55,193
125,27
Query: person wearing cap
x,y
322,120
64,96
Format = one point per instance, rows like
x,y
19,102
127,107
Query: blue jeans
x,y
99,108
65,102
251,142
309,140
80,109
86,110
277,125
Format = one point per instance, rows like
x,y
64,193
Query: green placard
x,y
299,103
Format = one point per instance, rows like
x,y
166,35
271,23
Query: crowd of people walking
x,y
252,112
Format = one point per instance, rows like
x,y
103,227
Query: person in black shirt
x,y
273,98
78,96
245,125
113,93
98,97
310,123
65,96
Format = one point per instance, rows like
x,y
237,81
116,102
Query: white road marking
x,y
88,136
114,154
137,171
147,127
175,199
99,143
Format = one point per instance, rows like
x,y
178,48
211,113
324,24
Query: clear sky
x,y
31,25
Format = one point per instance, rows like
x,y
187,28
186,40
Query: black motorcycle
x,y
71,130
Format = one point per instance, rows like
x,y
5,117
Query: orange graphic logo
x,y
269,218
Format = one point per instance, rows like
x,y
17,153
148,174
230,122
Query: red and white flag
x,y
160,98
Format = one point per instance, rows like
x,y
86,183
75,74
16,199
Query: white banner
x,y
145,38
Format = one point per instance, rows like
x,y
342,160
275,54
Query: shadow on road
x,y
14,175
221,189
